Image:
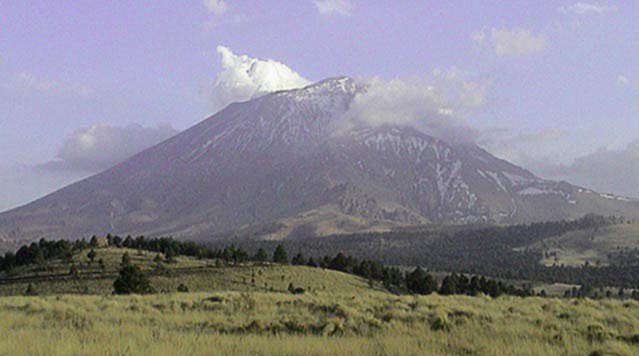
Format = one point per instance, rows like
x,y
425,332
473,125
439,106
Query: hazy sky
x,y
551,85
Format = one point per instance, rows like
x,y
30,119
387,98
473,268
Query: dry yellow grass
x,y
245,310
317,323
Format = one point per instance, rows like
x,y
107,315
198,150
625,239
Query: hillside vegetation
x,y
512,252
199,275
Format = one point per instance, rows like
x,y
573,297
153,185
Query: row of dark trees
x,y
132,280
40,252
487,251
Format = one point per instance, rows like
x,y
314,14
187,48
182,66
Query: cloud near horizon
x,y
100,146
527,149
606,170
243,78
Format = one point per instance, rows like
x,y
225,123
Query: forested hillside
x,y
495,251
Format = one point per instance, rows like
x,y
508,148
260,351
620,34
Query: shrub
x,y
92,255
126,260
31,290
440,323
295,290
132,281
73,271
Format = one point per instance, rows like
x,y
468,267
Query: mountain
x,y
276,167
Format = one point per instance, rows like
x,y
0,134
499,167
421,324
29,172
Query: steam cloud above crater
x,y
243,78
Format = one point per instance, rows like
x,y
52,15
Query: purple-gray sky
x,y
552,85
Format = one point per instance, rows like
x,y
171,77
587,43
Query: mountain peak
x,y
331,86
339,83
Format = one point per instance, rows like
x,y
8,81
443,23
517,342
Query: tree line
x,y
132,279
484,250
494,251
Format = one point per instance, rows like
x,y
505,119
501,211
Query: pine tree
x,y
92,255
126,260
260,256
420,282
449,286
298,260
132,281
280,255
117,241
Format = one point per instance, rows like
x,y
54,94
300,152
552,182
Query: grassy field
x,y
316,323
246,310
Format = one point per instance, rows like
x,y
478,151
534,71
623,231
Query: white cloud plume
x,y
217,7
100,146
328,7
418,103
243,78
583,8
511,42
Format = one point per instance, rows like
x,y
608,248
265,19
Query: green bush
x,y
132,281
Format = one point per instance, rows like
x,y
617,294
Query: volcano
x,y
274,167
